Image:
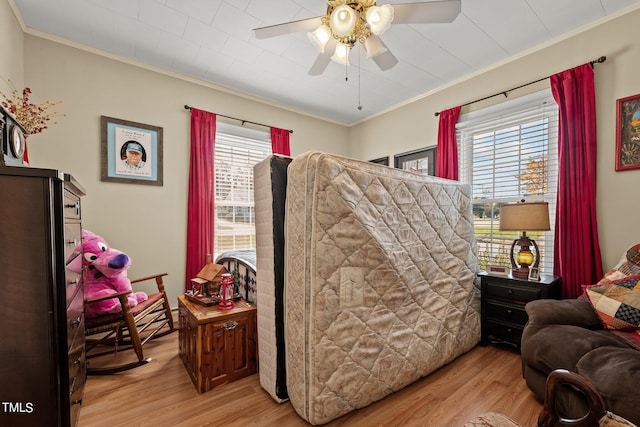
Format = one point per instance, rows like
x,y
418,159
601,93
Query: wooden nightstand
x,y
502,305
217,346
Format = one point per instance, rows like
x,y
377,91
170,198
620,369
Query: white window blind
x,y
509,152
237,150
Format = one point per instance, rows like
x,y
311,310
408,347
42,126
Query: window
x,y
509,152
237,150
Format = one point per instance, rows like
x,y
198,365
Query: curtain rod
x,y
186,107
505,92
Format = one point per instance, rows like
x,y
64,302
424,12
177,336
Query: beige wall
x,y
149,222
146,222
11,47
414,126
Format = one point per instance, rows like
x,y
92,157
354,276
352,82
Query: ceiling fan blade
x,y
385,60
323,59
442,11
379,52
308,24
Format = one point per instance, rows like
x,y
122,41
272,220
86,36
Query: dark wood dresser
x,y
42,360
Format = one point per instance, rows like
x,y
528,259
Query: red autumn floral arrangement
x,y
32,117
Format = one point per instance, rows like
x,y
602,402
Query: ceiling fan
x,y
348,22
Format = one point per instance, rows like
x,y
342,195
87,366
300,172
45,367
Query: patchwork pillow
x,y
628,265
617,303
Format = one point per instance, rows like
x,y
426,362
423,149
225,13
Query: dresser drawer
x,y
72,280
75,321
504,311
75,329
71,205
75,402
77,366
511,291
72,238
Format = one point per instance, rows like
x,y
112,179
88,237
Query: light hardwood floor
x,y
162,394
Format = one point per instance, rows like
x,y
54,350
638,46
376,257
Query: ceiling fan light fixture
x,y
379,18
341,54
374,47
355,21
342,21
320,36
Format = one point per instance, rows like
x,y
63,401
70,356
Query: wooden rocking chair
x,y
129,329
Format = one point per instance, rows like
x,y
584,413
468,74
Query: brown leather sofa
x,y
567,334
571,334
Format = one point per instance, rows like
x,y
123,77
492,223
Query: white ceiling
x,y
212,40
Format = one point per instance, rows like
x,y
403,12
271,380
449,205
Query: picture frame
x,y
421,161
628,133
498,270
381,161
131,152
534,274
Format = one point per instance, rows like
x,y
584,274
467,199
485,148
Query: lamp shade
x,y
342,20
341,54
373,47
531,216
319,37
379,18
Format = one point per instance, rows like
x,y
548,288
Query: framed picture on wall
x,y
131,152
534,274
628,133
381,160
421,161
498,270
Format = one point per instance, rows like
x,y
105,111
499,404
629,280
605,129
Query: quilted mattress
x,y
270,184
379,277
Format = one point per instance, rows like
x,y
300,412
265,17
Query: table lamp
x,y
531,216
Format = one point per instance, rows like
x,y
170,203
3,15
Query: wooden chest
x,y
217,346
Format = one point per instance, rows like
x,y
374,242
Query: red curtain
x,y
280,141
577,250
447,150
200,213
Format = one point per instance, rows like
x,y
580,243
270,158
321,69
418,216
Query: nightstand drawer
x,y
505,311
512,292
504,331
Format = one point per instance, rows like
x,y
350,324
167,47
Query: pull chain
x,y
346,65
359,103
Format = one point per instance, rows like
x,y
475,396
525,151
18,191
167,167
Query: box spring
x,y
379,277
270,183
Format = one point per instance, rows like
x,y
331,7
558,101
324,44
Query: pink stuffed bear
x,y
105,274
